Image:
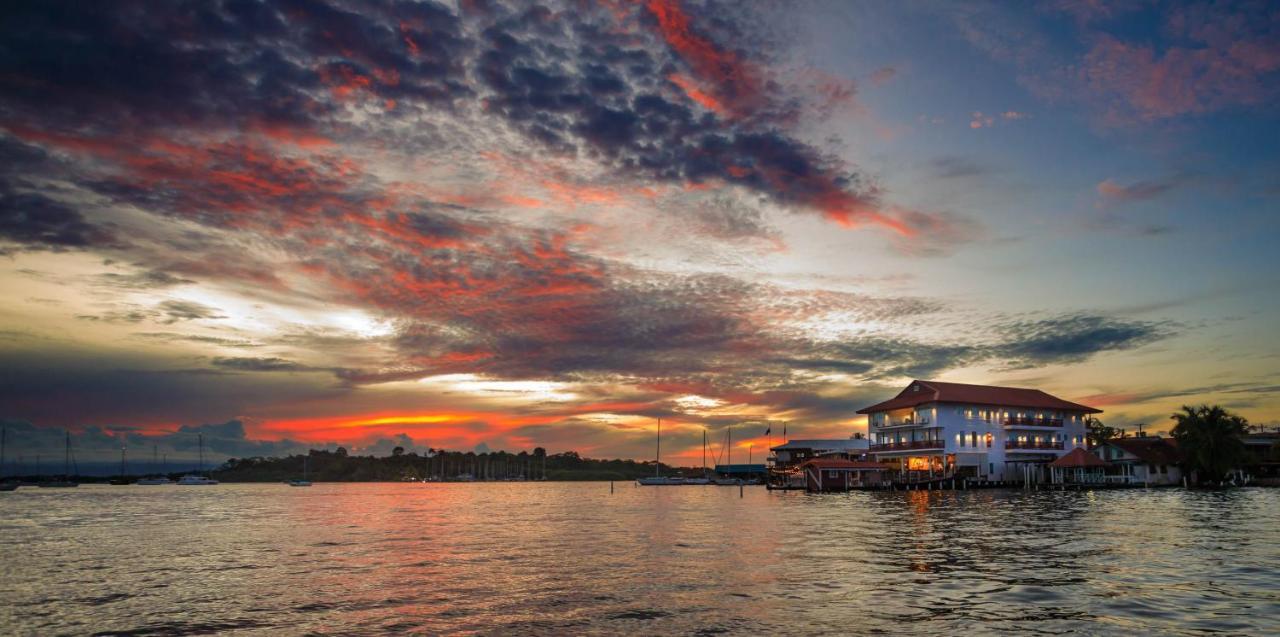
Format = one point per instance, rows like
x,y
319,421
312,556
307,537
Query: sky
x,y
485,225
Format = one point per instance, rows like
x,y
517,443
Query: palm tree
x,y
1098,433
1209,438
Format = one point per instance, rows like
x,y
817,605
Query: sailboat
x,y
7,485
659,480
122,480
195,479
728,443
304,482
159,479
704,479
66,481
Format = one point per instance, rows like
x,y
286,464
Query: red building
x,y
823,475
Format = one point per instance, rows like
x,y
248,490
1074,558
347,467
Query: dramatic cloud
x,y
354,221
1073,338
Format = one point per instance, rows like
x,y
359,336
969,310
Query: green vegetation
x,y
436,464
1210,439
1098,433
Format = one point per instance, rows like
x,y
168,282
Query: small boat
x,y
122,479
66,482
195,479
157,479
661,481
696,481
303,482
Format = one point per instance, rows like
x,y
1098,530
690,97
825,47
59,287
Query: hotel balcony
x,y
1031,445
1033,422
906,422
909,445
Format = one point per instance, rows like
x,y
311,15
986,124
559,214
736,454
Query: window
x,y
973,439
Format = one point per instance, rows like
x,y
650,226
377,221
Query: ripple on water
x,y
574,559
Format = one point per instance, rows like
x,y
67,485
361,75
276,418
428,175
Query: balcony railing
x,y
1033,422
1046,445
907,445
904,423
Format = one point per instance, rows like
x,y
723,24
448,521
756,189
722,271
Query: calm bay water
x,y
565,558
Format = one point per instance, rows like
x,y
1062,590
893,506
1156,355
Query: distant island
x,y
438,465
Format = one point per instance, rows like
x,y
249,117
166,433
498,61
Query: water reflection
x,y
573,558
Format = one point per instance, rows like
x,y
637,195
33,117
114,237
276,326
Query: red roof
x,y
841,463
1150,450
1078,458
920,392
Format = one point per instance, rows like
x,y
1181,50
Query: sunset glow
x,y
507,226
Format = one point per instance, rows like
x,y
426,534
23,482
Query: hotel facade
x,y
978,431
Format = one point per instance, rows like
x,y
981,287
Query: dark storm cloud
x,y
34,220
70,387
242,63
264,364
562,76
1073,338
174,311
197,338
143,280
231,118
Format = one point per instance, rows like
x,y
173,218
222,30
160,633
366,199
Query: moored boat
x,y
303,481
195,479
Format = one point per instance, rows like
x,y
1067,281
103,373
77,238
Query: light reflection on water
x,y
571,558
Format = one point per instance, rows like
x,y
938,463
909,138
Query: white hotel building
x,y
978,431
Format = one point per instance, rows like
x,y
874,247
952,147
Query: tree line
x,y
436,464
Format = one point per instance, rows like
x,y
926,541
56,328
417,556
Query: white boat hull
x,y
660,482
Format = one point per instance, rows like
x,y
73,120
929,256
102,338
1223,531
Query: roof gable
x,y
920,392
1148,450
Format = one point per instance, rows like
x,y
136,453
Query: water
x,y
564,558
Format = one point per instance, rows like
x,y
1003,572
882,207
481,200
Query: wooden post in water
x,y
611,486
739,489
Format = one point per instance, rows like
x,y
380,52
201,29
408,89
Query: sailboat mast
x,y
728,437
657,454
200,438
66,458
704,452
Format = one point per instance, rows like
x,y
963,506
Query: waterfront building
x,y
785,470
1078,467
825,475
1146,460
936,429
796,452
1262,456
